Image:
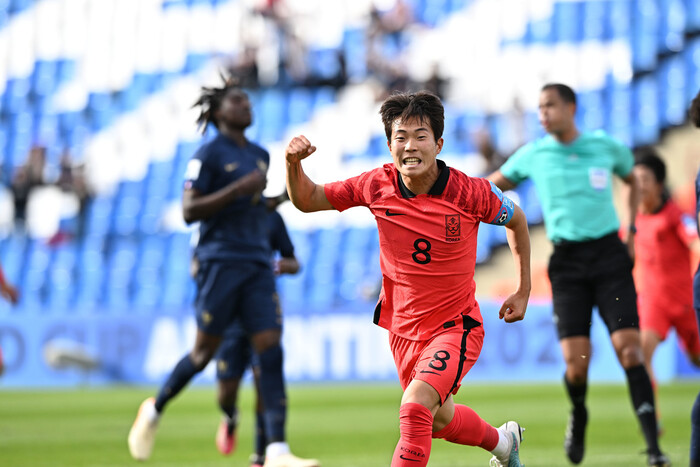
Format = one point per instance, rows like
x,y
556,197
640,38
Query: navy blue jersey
x,y
279,237
239,231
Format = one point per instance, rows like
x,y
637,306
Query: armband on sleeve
x,y
505,213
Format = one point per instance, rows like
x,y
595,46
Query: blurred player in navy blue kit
x,y
695,414
236,355
223,192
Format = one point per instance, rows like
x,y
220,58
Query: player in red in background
x,y
10,294
664,237
428,216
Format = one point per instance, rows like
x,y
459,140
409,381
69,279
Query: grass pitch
x,y
341,425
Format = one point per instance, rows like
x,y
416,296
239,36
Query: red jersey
x,y
663,273
427,244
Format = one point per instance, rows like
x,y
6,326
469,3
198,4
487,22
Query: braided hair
x,y
210,101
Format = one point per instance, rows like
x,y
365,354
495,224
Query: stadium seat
x,y
322,280
619,19
34,285
645,110
44,77
300,106
122,259
355,53
672,84
61,284
591,110
645,30
619,104
98,216
483,243
594,24
353,262
148,277
672,23
567,19
691,56
692,18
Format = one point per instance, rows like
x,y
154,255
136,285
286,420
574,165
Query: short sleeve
x,y
517,167
624,160
500,207
348,193
198,175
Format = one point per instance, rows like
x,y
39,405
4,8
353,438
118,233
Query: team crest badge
x,y
452,226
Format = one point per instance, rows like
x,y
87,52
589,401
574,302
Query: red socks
x,y
416,427
469,429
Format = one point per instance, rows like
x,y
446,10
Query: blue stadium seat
x,y
355,53
65,70
672,84
300,106
272,110
44,77
61,286
16,6
100,110
34,285
12,251
591,110
645,29
91,273
353,261
322,280
46,129
594,24
121,264
691,55
645,107
177,283
16,95
692,18
619,21
567,19
323,96
672,23
291,288
98,216
148,277
619,105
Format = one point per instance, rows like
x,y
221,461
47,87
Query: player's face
x,y
413,148
556,115
649,189
235,110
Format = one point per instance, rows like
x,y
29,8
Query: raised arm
x,y
306,195
501,181
514,307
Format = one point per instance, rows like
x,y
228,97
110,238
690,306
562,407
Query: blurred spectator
x,y
72,181
245,68
27,178
436,83
484,145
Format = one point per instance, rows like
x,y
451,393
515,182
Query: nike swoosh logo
x,y
407,459
389,213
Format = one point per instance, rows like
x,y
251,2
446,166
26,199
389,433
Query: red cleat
x,y
226,437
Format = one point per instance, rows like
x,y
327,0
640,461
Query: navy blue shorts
x,y
242,291
235,354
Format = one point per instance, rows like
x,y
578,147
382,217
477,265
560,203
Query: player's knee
x,y
577,375
271,359
201,357
630,355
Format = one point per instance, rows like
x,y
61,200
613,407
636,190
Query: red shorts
x,y
442,361
662,318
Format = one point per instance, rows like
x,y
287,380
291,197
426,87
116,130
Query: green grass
x,y
342,425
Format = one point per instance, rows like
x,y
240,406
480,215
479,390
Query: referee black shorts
x,y
592,273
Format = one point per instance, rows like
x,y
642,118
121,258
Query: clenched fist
x,y
299,148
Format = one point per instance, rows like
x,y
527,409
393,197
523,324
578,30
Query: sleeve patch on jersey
x,y
689,224
194,166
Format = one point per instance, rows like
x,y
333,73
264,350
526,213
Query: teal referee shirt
x,y
574,182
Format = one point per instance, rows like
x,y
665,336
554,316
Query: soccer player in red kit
x,y
664,236
428,216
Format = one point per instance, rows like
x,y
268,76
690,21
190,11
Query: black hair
x,y
694,111
565,92
210,100
648,157
422,105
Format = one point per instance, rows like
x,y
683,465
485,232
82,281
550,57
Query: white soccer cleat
x,y
290,460
143,432
512,457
